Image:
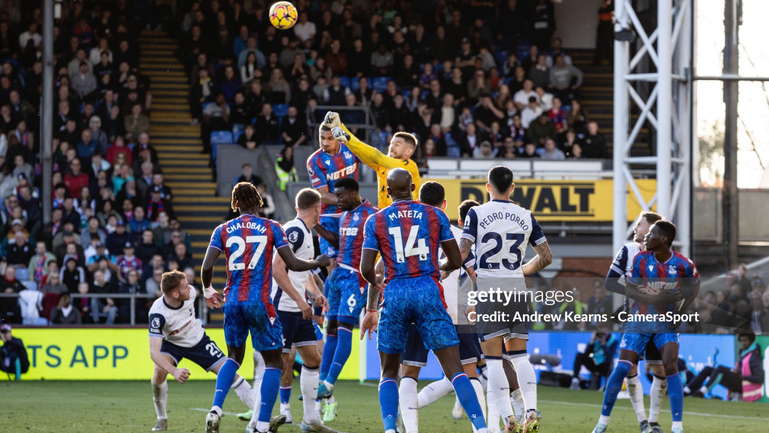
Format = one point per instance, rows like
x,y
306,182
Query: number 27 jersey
x,y
248,243
501,231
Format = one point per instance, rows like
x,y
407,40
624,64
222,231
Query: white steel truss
x,y
667,109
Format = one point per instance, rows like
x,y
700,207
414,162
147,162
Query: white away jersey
x,y
300,240
179,326
451,283
501,231
623,261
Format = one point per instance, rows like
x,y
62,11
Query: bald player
x,y
408,234
402,147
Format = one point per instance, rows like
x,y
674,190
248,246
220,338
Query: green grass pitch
x,y
105,407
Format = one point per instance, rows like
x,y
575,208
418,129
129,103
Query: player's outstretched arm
x,y
453,255
543,258
299,265
207,269
162,361
331,237
281,277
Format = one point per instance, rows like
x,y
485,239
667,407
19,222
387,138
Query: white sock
x,y
499,389
679,424
657,394
483,376
480,393
308,383
527,380
258,370
704,389
518,406
603,420
434,391
329,400
409,402
244,391
160,398
492,421
636,392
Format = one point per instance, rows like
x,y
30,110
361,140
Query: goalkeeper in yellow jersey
x,y
402,146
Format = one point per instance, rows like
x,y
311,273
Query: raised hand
x,y
332,120
340,134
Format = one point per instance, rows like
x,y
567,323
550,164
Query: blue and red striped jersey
x,y
667,276
248,243
325,169
351,226
407,234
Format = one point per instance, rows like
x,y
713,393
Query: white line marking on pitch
x,y
200,409
566,403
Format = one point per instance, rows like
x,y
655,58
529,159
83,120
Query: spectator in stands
x,y
248,139
576,151
522,98
478,87
65,313
604,38
543,23
103,306
335,94
551,151
305,30
230,84
75,179
531,112
201,92
38,263
557,116
484,151
84,83
293,128
131,286
545,99
529,151
156,204
540,130
382,61
19,252
565,79
540,72
597,358
486,113
593,144
358,59
267,126
71,274
577,118
268,209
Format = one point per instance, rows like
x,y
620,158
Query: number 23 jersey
x,y
248,243
501,231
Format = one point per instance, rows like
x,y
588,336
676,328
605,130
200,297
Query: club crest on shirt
x,y
671,270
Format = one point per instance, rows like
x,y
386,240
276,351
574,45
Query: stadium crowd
x,y
113,229
474,78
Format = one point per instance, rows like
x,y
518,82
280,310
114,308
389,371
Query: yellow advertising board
x,y
117,354
552,200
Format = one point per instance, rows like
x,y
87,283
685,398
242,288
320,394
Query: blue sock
x,y
285,394
343,350
676,395
328,356
469,400
388,400
614,385
224,381
269,391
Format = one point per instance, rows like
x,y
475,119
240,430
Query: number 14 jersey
x,y
248,243
501,231
408,234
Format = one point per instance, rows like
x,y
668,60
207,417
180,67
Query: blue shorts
x,y
347,295
242,317
331,224
417,301
416,352
636,342
206,353
297,332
